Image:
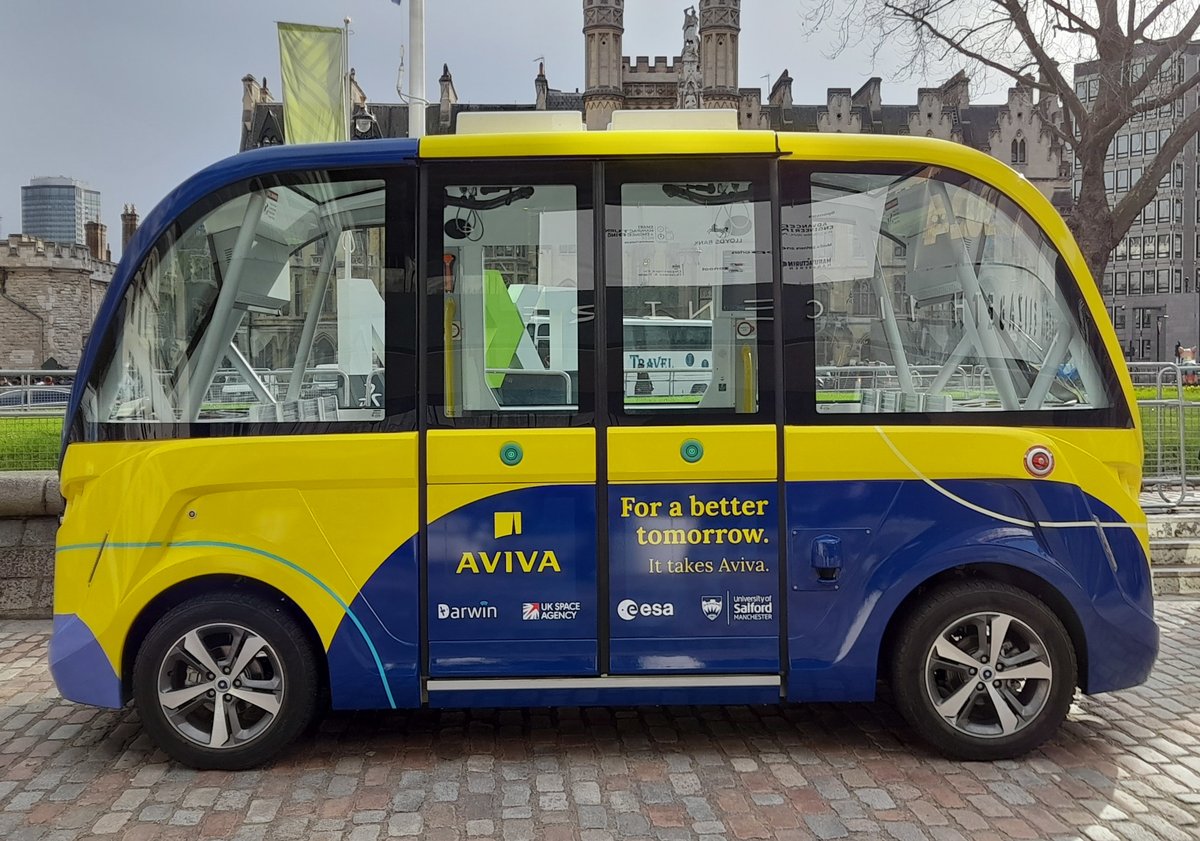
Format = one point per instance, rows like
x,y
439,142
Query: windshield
x,y
268,307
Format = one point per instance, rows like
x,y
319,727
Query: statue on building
x,y
689,79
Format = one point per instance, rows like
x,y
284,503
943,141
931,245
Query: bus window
x,y
938,295
509,308
267,308
692,260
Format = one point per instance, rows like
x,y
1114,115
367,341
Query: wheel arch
x,y
1023,579
207,585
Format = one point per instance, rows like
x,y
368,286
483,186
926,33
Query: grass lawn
x,y
29,442
1191,393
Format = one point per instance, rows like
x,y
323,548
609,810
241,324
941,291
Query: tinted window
x,y
934,293
266,308
689,275
510,288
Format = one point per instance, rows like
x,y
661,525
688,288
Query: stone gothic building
x,y
705,75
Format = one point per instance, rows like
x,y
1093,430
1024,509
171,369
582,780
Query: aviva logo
x,y
508,524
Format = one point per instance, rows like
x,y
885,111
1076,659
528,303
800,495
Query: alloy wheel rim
x,y
988,675
221,686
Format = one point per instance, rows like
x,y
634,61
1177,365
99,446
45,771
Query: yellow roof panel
x,y
598,143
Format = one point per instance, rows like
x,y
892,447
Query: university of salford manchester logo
x,y
711,605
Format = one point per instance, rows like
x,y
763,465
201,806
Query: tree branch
x,y
1168,47
1122,115
1170,97
1081,25
958,45
1046,64
1140,30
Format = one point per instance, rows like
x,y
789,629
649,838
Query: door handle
x,y
827,557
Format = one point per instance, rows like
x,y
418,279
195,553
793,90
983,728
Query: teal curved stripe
x,y
216,544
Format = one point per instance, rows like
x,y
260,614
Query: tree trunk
x,y
1092,224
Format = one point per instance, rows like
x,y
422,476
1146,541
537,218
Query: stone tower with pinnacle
x,y
603,26
720,27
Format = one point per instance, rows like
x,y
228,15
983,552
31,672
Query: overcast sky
x,y
134,96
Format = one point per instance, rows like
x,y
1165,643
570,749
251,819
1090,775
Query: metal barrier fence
x,y
1170,435
31,411
32,402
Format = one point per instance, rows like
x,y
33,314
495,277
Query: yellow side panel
x,y
313,516
548,456
598,143
654,454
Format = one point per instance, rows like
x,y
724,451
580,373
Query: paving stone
x,y
1126,766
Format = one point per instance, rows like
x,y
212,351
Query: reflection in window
x,y
694,277
510,298
981,325
232,319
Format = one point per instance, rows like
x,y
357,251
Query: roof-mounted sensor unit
x,y
517,122
681,119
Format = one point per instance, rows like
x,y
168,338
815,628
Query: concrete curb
x,y
30,493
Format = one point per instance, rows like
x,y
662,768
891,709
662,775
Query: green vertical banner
x,y
312,60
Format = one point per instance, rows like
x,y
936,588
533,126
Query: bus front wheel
x,y
225,681
983,670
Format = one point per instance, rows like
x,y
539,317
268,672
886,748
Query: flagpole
x,y
347,109
416,74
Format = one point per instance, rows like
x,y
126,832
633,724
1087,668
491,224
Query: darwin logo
x,y
481,611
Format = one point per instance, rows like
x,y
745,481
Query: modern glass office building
x,y
57,208
1152,284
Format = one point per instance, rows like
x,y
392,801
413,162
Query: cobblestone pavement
x,y
1125,766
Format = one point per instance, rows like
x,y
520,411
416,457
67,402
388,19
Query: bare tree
x,y
1134,46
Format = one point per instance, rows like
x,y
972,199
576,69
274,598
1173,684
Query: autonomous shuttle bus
x,y
536,417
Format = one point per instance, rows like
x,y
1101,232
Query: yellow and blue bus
x,y
357,427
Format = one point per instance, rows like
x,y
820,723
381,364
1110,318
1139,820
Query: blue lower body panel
x,y
80,667
689,655
895,535
487,658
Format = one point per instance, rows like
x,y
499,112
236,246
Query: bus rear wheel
x,y
983,670
225,681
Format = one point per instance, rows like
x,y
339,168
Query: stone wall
x,y
29,508
49,294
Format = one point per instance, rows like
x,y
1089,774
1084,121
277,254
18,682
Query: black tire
x,y
977,731
290,660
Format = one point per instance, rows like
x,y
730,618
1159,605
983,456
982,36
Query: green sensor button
x,y
691,451
511,454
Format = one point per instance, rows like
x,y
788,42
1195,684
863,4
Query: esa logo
x,y
629,609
